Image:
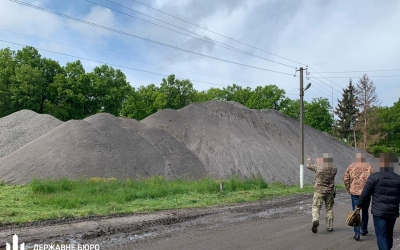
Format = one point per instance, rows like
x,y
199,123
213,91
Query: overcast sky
x,y
328,36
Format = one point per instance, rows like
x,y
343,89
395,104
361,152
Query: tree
x,y
317,114
50,69
110,89
216,94
366,100
27,88
292,108
389,119
180,93
346,111
75,94
267,97
236,93
144,102
7,70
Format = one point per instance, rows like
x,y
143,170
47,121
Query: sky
x,y
217,43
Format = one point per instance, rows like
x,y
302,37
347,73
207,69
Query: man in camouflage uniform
x,y
324,189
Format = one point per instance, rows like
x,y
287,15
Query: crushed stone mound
x,y
23,126
229,138
98,146
179,160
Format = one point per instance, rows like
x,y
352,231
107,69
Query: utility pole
x,y
301,129
302,126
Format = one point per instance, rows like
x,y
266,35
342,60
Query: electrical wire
x,y
358,71
211,41
358,76
97,61
117,65
128,58
141,38
224,36
322,82
216,32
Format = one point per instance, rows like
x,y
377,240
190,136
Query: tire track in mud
x,y
134,226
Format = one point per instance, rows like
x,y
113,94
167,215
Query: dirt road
x,y
274,224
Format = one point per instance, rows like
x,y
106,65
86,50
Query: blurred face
x,y
386,162
360,157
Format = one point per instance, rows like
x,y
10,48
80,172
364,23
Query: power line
x,y
216,33
358,76
223,35
117,65
211,41
358,71
329,94
325,77
141,38
128,58
322,82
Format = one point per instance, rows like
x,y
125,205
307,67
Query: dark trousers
x,y
364,214
384,232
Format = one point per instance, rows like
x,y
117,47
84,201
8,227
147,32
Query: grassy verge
x,y
46,199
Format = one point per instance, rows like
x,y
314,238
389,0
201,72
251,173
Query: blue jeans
x,y
364,214
384,232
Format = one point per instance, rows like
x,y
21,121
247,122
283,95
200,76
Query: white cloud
x,y
98,15
326,35
27,20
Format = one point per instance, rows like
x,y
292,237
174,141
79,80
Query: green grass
x,y
47,199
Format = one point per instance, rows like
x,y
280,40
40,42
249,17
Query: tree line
x,y
30,81
363,123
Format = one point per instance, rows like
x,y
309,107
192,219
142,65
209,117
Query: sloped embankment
x,y
98,146
22,127
229,138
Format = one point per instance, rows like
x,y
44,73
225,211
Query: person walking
x,y
355,177
384,186
324,188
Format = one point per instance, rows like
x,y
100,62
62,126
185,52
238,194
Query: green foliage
x,y
49,199
317,114
389,119
347,113
110,89
27,88
144,102
179,93
28,81
7,70
52,186
267,97
292,108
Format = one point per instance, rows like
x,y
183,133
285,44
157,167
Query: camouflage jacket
x,y
356,176
324,177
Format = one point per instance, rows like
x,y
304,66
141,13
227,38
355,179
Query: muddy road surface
x,y
283,223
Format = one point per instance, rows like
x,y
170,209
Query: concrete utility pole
x,y
302,126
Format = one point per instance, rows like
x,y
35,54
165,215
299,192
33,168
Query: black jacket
x,y
385,190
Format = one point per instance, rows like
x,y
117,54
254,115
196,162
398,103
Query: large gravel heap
x,y
214,138
98,146
21,127
231,139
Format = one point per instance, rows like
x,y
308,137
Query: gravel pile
x,y
21,127
229,138
99,146
179,161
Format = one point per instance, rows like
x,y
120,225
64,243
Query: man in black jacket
x,y
384,186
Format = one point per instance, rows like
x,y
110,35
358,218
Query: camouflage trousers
x,y
320,199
